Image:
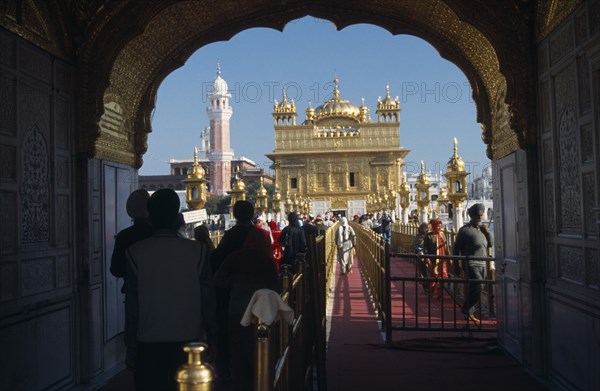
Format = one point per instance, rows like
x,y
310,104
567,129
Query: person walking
x,y
345,238
242,273
233,240
170,297
141,229
436,243
292,240
474,240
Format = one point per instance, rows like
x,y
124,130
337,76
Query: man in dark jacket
x,y
293,240
170,296
233,240
140,230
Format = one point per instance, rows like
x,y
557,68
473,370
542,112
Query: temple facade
x,y
338,156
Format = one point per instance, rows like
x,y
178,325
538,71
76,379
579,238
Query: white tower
x,y
220,154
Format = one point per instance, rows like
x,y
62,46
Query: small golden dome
x,y
262,192
285,106
455,163
197,169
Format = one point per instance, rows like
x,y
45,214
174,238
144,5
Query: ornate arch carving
x,y
487,42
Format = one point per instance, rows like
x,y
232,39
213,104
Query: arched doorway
x,y
105,60
131,73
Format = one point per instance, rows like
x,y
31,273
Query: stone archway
x,y
122,70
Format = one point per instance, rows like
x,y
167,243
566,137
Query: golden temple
x,y
338,156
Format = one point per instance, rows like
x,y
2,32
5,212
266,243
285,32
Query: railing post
x,y
388,295
299,292
263,379
194,375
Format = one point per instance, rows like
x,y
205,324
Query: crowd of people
x,y
179,290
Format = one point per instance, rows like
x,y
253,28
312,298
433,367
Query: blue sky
x,y
435,95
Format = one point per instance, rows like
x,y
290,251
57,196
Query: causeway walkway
x,y
358,358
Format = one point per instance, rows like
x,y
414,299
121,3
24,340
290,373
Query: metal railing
x,y
403,236
373,252
293,356
416,309
433,300
216,237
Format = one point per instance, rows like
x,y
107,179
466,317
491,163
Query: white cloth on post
x,y
268,307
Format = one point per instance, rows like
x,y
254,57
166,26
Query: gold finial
x,y
309,105
422,167
195,155
194,374
336,90
363,101
455,147
284,95
387,92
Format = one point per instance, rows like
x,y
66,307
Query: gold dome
x,y
337,107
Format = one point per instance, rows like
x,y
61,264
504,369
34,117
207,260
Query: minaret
x,y
220,154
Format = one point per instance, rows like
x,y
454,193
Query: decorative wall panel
x,y
8,281
551,261
594,16
568,338
543,58
561,44
35,63
8,217
587,144
8,163
37,276
545,107
589,203
34,109
549,206
7,50
570,195
547,155
61,172
62,122
571,264
46,343
584,85
63,219
62,77
35,188
592,268
8,97
63,271
581,27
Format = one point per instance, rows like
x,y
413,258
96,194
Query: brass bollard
x,y
194,376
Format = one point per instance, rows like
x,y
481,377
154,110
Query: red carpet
x,y
358,359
